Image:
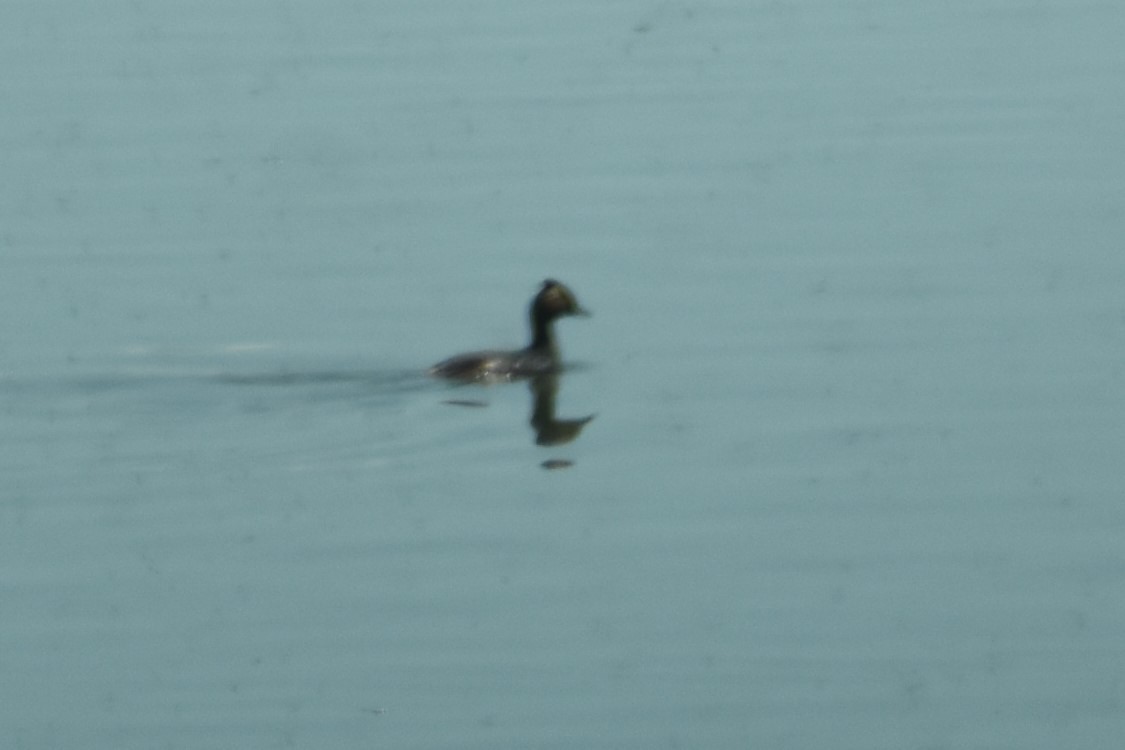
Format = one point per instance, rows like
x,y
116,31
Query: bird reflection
x,y
549,429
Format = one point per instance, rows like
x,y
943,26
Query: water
x,y
852,478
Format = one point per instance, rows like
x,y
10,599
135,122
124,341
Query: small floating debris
x,y
465,402
557,463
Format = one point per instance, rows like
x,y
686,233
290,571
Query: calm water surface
x,y
853,477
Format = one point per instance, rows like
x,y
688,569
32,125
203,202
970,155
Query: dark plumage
x,y
539,357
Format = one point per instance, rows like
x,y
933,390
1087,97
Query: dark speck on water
x,y
465,402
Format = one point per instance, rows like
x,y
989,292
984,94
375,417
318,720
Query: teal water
x,y
855,366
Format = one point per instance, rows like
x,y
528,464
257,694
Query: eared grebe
x,y
540,357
